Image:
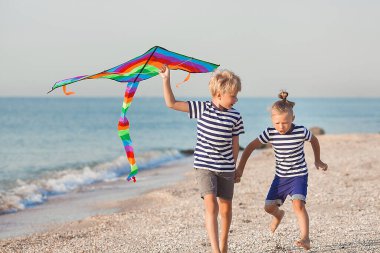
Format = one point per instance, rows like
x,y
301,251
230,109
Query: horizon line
x,y
240,97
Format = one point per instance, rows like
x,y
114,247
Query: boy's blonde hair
x,y
224,81
283,105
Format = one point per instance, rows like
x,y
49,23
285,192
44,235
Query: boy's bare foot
x,y
276,221
303,243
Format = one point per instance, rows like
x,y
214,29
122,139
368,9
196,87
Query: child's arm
x,y
317,152
235,147
244,157
170,100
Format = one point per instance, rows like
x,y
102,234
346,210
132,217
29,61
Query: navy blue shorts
x,y
295,187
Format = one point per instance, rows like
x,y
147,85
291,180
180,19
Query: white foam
x,y
26,194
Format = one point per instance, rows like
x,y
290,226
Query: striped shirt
x,y
215,129
288,149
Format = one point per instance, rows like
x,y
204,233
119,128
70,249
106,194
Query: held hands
x,y
238,175
164,72
319,164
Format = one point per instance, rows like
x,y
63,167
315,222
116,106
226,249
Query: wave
x,y
25,194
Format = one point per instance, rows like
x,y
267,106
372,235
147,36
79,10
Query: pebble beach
x,y
343,206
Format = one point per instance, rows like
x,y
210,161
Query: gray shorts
x,y
219,183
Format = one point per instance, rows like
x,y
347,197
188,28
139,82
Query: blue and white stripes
x,y
288,149
215,130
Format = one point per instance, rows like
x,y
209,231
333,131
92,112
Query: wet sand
x,y
95,199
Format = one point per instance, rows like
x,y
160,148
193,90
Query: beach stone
x,y
187,152
317,130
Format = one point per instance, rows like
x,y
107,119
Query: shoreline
x,y
342,204
96,199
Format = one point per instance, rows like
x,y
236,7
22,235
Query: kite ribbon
x,y
67,93
123,129
185,80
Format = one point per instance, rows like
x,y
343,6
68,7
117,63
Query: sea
x,y
56,146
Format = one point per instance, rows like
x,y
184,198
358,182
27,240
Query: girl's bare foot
x,y
303,243
276,220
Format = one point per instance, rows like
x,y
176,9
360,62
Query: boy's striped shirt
x,y
288,149
215,129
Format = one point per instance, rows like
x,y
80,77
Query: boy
x,y
217,148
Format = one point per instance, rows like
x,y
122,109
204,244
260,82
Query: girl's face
x,y
227,100
282,121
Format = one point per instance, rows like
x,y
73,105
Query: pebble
x,y
343,218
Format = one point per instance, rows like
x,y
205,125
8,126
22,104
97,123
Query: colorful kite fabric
x,y
123,129
132,72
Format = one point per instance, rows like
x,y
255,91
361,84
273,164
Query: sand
x,y
343,205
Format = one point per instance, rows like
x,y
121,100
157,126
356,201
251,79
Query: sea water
x,y
54,146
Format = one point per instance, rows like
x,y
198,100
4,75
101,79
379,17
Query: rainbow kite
x,y
132,72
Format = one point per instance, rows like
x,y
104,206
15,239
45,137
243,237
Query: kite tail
x,y
123,129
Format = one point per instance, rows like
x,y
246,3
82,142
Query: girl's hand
x,y
320,164
164,71
238,175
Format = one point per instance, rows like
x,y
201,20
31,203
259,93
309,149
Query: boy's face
x,y
282,122
227,100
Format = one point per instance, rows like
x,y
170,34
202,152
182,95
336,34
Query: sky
x,y
324,48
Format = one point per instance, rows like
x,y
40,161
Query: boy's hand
x,y
320,164
164,71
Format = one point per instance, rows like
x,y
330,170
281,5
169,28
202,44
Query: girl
x,y
291,175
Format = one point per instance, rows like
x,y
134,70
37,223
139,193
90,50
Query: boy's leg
x,y
225,207
277,213
207,183
211,219
303,222
225,193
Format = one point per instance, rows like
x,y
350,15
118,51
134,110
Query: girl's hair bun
x,y
283,105
283,95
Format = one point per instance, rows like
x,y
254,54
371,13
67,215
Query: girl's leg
x,y
303,222
211,215
277,213
225,207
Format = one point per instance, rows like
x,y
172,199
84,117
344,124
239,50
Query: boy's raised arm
x,y
244,157
317,154
170,100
